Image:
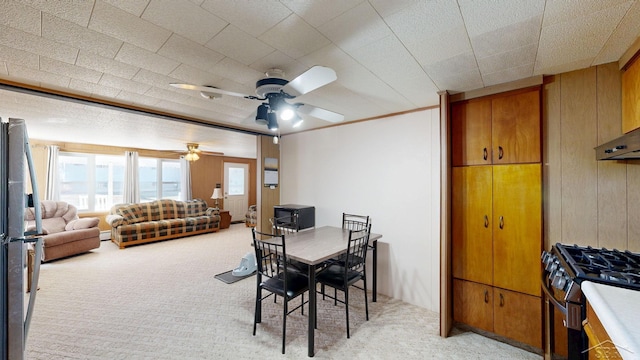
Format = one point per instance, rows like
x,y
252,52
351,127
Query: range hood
x,y
625,147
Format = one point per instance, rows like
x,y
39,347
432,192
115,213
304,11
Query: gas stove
x,y
610,267
565,268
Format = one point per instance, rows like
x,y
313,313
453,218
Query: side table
x,y
225,219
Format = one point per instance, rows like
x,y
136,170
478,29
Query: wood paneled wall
x,y
587,202
208,171
269,197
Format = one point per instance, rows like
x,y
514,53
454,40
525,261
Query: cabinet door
x,y
473,304
471,215
516,128
517,227
631,97
518,316
471,133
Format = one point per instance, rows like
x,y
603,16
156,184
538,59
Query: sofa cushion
x,y
196,207
54,225
133,214
84,223
65,237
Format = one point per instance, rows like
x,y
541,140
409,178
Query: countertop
x,y
618,309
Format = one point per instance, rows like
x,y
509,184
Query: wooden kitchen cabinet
x,y
473,304
506,313
502,129
631,97
600,344
497,225
517,227
471,229
518,316
471,132
496,216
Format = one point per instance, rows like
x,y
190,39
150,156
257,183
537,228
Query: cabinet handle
x,y
500,152
486,296
501,300
485,155
486,221
501,222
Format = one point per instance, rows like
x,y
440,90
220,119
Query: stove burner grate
x,y
618,268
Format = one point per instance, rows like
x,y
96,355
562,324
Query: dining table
x,y
313,247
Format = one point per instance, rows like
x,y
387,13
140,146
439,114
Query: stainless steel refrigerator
x,y
16,169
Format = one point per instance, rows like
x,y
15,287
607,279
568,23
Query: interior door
x,y
236,189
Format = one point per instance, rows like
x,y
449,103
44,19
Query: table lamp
x,y
217,194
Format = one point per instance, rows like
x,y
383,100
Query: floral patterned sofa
x,y
133,224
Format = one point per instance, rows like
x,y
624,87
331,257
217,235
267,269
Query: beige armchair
x,y
65,234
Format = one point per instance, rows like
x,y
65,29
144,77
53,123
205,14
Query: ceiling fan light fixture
x,y
192,155
273,121
287,113
262,115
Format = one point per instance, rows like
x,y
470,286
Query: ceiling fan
x,y
274,90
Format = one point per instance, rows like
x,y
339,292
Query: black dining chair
x,y
355,222
343,274
287,225
274,277
349,222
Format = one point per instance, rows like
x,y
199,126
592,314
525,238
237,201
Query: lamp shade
x,y
261,115
217,193
273,122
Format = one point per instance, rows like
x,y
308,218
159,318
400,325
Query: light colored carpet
x,y
161,301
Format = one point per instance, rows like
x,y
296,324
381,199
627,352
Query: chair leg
x,y
284,322
258,313
346,306
366,302
335,296
302,305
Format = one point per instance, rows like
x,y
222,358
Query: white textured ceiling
x,y
389,55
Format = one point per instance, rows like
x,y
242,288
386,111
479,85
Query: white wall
x,y
388,169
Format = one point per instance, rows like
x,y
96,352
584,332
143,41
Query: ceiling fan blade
x,y
310,80
207,89
320,113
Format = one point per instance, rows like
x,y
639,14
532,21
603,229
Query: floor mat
x,y
229,278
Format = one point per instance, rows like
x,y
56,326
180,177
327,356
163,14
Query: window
x,y
95,182
90,182
159,179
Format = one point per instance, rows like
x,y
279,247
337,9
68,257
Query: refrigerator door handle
x,y
35,276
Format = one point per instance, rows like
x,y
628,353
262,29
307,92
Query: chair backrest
x,y
355,222
269,250
357,251
284,225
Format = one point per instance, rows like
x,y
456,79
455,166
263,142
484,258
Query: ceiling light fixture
x,y
261,114
192,155
273,121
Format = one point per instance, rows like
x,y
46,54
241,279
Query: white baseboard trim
x,y
105,235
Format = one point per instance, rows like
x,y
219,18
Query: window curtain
x,y
51,182
131,177
185,179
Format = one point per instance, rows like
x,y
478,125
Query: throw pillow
x,y
84,223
